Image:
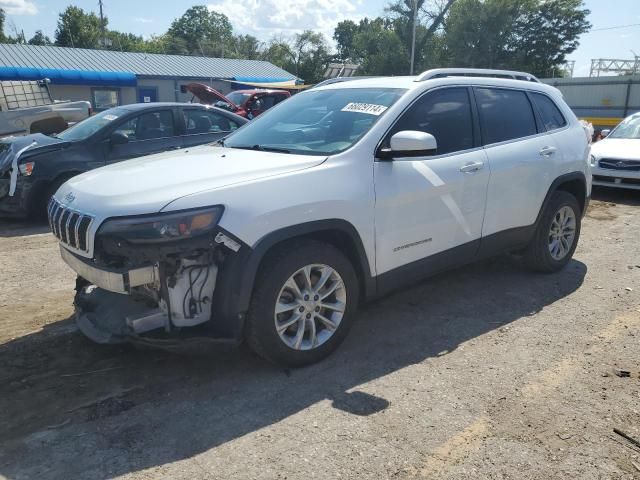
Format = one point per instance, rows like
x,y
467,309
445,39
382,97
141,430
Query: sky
x,y
266,18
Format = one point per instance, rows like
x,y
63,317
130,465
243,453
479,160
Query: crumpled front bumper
x,y
110,280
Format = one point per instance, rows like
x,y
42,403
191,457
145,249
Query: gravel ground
x,y
485,372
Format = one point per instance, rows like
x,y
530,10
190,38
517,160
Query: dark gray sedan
x,y
34,166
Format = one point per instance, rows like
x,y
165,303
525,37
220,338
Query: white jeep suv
x,y
335,196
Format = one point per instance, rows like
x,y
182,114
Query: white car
x,y
336,196
615,160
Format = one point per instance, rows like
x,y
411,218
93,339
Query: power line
x,y
616,27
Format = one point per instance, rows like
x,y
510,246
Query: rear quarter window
x,y
550,114
504,114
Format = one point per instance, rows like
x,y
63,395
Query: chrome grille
x,y
615,164
69,226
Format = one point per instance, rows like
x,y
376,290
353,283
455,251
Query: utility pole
x,y
413,35
104,39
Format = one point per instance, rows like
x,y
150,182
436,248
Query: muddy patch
x,y
604,211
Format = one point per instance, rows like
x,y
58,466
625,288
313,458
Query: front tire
x,y
303,303
557,234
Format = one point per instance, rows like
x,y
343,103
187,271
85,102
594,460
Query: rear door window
x,y
550,114
205,121
504,114
148,126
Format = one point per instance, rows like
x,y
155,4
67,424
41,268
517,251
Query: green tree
x,y
4,38
201,31
344,36
125,42
531,35
3,19
39,38
374,44
310,56
280,53
429,18
559,23
247,46
379,49
77,28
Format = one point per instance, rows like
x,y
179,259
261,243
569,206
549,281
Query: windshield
x,y
320,122
91,125
629,128
237,97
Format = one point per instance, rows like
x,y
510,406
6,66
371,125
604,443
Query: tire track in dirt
x,y
470,439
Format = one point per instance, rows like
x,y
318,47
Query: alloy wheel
x,y
310,307
562,233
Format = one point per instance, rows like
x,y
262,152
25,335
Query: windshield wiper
x,y
262,148
219,142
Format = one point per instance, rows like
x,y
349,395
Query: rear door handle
x,y
471,167
547,151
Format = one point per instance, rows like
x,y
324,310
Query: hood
x,y
622,148
208,95
147,184
12,145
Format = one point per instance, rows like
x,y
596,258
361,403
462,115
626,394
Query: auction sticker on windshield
x,y
369,108
110,117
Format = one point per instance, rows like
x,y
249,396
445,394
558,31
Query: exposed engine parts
x,y
180,297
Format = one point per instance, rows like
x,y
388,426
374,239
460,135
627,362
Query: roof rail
x,y
475,72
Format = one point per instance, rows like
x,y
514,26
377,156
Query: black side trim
x,y
506,241
237,276
426,267
497,243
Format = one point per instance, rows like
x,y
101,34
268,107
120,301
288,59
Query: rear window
x,y
504,114
551,116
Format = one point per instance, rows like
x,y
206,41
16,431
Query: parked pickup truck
x,y
27,107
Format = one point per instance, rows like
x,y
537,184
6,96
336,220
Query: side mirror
x,y
410,143
605,132
118,138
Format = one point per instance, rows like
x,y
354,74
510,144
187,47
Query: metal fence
x,y
603,101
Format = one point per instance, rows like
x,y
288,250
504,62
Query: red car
x,y
246,103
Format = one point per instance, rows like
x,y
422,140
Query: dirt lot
x,y
485,372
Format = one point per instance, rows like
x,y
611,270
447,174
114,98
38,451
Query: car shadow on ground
x,y
22,227
70,403
624,196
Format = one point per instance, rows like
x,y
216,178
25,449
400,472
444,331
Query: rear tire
x,y
303,303
556,236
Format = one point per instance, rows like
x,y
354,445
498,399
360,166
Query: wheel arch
x,y
237,280
574,183
39,195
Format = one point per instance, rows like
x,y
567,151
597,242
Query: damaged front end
x,y
152,278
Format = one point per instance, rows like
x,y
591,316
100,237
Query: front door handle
x,y
547,151
471,167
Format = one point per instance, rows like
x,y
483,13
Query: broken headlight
x,y
26,168
163,227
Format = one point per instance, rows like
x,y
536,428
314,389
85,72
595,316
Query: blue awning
x,y
70,77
